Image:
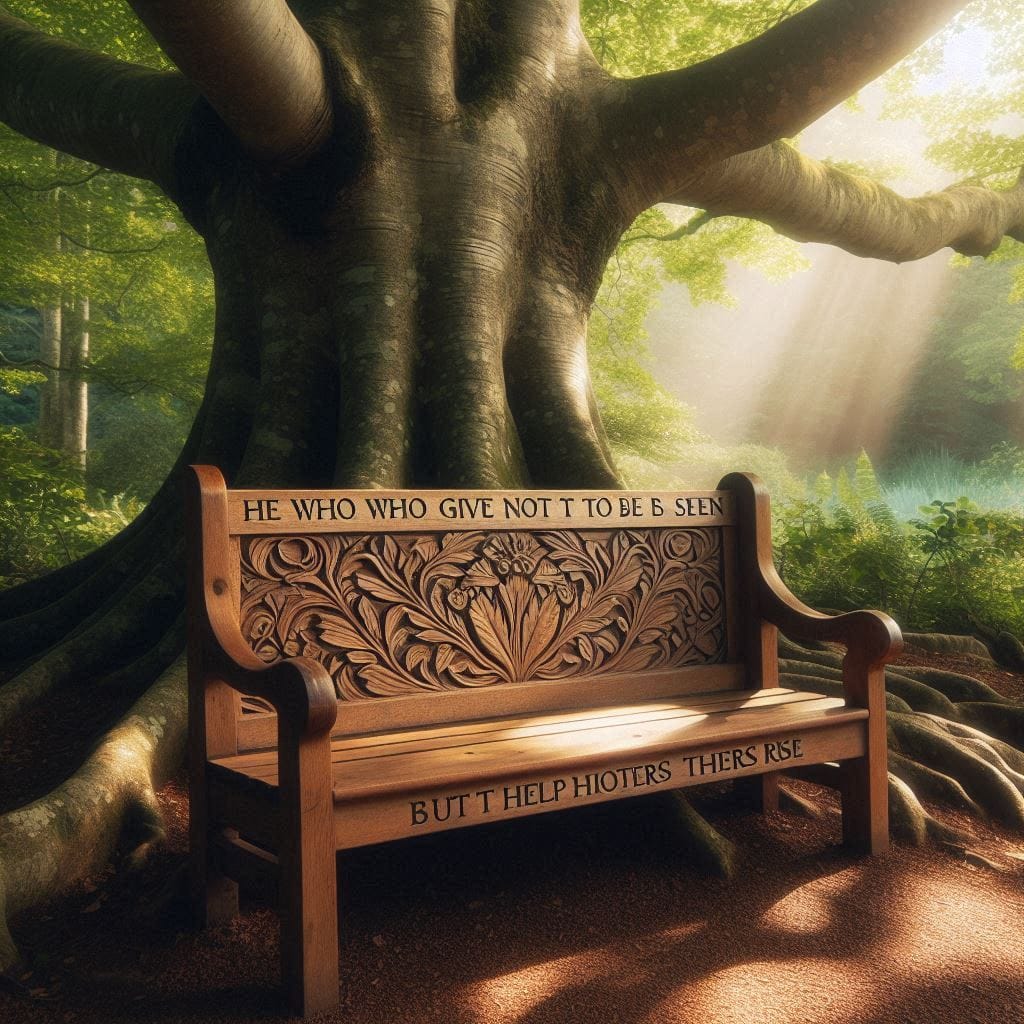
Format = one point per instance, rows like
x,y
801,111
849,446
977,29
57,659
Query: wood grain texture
x,y
257,731
871,639
393,615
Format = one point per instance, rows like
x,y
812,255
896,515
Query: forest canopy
x,y
73,233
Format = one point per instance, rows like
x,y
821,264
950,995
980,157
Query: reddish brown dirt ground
x,y
589,915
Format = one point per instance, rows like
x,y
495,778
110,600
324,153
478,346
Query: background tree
x,y
408,212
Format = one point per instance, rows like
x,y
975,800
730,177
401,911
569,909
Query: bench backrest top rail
x,y
421,511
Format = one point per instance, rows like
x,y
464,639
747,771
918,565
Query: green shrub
x,y
956,570
45,518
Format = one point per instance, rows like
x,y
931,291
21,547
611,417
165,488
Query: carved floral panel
x,y
390,615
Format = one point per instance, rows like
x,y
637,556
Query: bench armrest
x,y
871,638
301,690
873,635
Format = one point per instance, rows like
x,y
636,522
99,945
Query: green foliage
x,y
640,417
997,482
14,382
68,230
45,520
702,463
865,483
1005,461
969,120
645,36
956,569
965,393
842,557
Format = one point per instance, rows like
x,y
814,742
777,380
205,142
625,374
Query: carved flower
x,y
680,544
458,598
298,555
513,554
261,627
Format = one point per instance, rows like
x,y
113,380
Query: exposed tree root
x,y
701,844
139,616
794,803
931,784
32,632
71,832
76,585
953,740
958,688
1006,722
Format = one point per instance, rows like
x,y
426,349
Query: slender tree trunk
x,y
75,406
50,429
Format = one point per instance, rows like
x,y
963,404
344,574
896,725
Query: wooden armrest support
x,y
873,635
301,690
871,638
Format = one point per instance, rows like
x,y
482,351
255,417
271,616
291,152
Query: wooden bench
x,y
441,659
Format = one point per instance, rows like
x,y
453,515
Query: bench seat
x,y
379,780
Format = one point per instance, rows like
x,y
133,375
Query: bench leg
x,y
865,796
760,791
308,879
214,895
865,780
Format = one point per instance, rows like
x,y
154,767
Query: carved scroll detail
x,y
390,615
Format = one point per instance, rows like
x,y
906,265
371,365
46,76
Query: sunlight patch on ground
x,y
811,990
810,908
512,996
928,932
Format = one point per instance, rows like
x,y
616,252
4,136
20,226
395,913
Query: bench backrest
x,y
428,606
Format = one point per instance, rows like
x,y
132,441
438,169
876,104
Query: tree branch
x,y
52,186
690,227
86,247
764,90
812,202
121,116
255,65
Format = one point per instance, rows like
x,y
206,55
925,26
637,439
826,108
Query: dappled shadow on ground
x,y
587,915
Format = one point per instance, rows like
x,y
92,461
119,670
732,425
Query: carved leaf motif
x,y
390,615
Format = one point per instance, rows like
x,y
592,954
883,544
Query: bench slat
x,y
257,731
545,744
345,747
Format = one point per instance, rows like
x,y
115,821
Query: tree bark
x,y
255,65
669,125
118,115
74,388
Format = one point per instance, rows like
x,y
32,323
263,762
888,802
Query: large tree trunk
x,y
403,290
